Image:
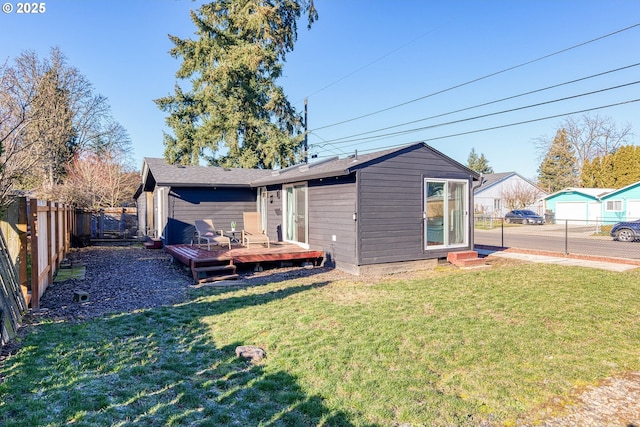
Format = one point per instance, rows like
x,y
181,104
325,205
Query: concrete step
x,y
454,256
465,259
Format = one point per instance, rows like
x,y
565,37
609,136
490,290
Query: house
x,y
405,204
172,197
408,204
577,204
503,192
622,204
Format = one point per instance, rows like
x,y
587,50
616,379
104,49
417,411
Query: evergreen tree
x,y
477,163
615,170
626,166
558,168
235,115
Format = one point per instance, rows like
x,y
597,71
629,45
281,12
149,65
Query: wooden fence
x,y
44,230
51,224
12,302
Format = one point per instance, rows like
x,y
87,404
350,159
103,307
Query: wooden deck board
x,y
195,256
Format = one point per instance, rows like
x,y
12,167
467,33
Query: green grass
x,y
451,348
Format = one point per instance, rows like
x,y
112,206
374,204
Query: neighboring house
x,y
406,204
622,204
578,204
503,192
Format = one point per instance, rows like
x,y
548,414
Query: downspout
x,y
355,219
472,210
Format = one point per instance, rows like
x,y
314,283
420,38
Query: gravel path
x,y
123,279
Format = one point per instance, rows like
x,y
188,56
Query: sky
x,y
377,74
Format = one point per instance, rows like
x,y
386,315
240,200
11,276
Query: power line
x,y
505,126
481,78
482,116
336,140
346,76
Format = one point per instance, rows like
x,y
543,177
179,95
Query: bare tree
x,y
99,180
49,114
519,195
18,154
590,136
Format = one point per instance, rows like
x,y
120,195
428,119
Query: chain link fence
x,y
576,237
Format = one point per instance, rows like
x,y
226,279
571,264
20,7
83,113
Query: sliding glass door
x,y
296,214
446,213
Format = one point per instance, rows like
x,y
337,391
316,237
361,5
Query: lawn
x,y
448,348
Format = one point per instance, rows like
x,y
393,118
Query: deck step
x,y
214,268
153,244
465,259
213,272
218,278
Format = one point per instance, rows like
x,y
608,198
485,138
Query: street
x,y
554,237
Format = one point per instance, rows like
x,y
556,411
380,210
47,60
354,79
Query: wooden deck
x,y
198,258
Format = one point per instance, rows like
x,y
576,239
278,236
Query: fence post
x,y
50,241
502,233
35,258
22,227
566,237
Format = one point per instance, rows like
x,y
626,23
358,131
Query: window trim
x,y
614,202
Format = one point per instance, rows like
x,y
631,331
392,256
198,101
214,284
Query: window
x,y
613,206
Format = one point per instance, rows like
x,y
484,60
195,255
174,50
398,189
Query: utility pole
x,y
306,144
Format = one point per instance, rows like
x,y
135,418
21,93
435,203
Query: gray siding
x,y
331,207
141,205
274,213
390,206
332,204
222,205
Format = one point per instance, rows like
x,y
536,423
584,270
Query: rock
x,y
250,352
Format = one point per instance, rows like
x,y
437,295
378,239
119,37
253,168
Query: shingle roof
x,y
336,166
493,178
200,176
208,176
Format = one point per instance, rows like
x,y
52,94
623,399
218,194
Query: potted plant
x,y
233,226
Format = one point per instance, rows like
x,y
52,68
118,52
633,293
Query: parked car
x,y
626,231
523,216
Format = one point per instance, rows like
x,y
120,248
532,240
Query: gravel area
x,y
123,279
117,279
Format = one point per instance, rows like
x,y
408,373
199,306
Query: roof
x,y
165,174
620,190
596,193
343,166
492,179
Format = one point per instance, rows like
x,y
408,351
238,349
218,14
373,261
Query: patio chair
x,y
207,232
253,231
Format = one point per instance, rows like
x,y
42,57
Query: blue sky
x,y
364,58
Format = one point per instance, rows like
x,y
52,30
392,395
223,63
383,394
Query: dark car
x,y
523,216
626,231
